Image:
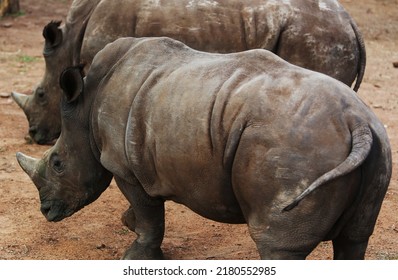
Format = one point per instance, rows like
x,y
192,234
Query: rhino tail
x,y
362,56
362,141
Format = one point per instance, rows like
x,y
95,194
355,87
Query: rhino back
x,y
206,25
312,34
220,26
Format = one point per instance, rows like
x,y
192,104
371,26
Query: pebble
x,y
6,24
5,94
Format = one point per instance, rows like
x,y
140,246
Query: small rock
x,y
395,64
5,94
102,246
6,24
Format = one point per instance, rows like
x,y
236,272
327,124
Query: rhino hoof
x,y
140,252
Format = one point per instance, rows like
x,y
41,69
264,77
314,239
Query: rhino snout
x,y
43,129
48,212
41,136
54,210
22,101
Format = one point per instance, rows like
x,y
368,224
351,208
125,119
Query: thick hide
x,y
237,138
318,35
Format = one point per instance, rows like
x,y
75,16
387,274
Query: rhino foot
x,y
140,252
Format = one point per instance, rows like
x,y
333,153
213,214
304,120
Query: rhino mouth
x,y
42,136
55,211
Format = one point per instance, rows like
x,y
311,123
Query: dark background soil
x,y
96,231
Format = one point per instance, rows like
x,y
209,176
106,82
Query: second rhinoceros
x,y
238,138
318,35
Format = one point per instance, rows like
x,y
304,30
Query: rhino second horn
x,y
20,98
27,163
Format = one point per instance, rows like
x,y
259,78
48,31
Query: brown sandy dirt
x,y
96,231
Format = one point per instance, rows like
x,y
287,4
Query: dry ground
x,y
96,231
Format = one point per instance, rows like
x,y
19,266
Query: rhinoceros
x,y
238,138
319,35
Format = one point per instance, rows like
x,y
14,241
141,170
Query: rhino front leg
x,y
146,218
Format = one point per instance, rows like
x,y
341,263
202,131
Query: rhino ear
x,y
53,35
71,82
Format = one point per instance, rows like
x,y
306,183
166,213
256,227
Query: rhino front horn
x,y
20,99
27,163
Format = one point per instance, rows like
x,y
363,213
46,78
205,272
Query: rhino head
x,y
69,176
42,106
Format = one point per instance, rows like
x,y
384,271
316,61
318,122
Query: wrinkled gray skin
x,y
318,35
237,138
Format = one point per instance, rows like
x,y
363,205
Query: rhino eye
x,y
40,93
57,164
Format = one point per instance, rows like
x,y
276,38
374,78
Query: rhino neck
x,y
107,133
112,92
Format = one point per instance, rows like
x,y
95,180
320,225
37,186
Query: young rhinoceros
x,y
318,35
237,138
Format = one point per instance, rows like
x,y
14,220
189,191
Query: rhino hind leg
x,y
281,238
270,249
278,235
376,174
346,249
